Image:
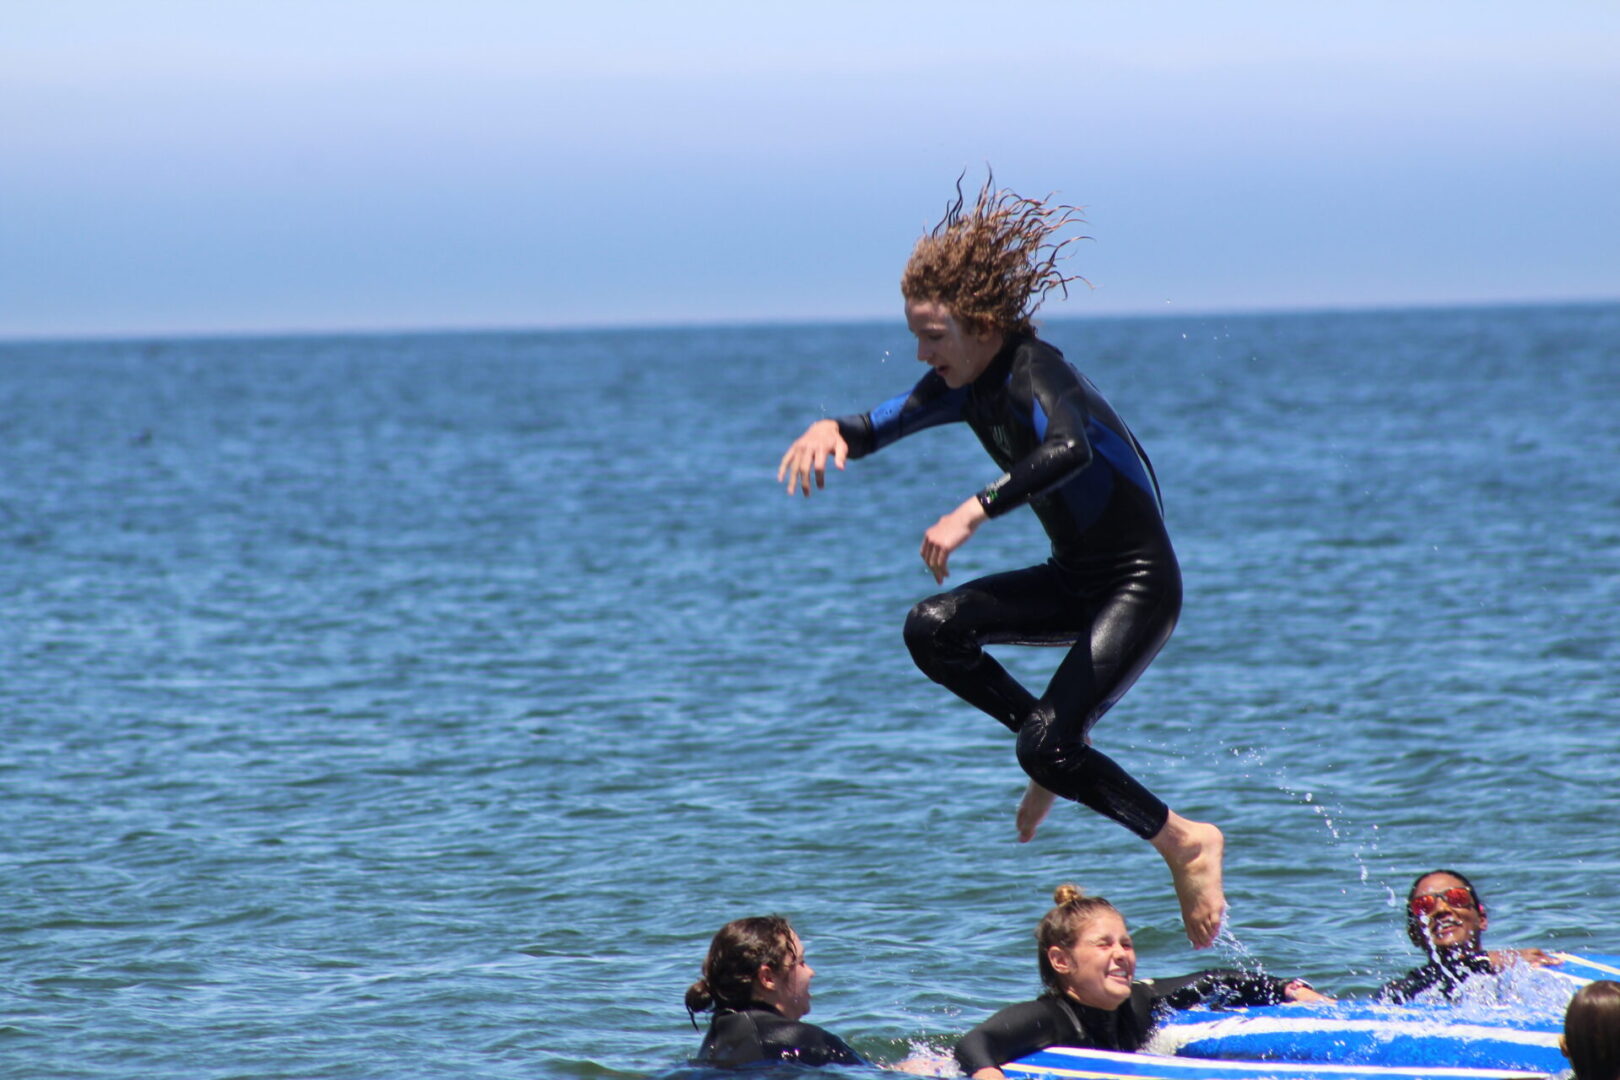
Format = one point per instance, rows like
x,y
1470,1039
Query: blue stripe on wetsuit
x,y
890,421
1119,453
1105,442
889,411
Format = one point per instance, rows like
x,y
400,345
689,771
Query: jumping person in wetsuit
x,y
757,981
1093,999
1112,587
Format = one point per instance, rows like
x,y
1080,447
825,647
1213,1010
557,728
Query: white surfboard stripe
x,y
1584,961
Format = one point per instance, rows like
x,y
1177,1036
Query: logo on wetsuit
x,y
1002,437
990,494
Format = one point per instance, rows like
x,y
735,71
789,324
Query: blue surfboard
x,y
1069,1063
1586,967
1355,1033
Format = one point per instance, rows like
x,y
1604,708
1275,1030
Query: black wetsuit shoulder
x,y
1055,1020
1066,452
744,1036
1446,977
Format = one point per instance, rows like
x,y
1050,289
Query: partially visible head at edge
x,y
1591,1038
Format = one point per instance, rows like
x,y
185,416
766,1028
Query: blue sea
x,y
419,706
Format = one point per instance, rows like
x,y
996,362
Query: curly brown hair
x,y
992,265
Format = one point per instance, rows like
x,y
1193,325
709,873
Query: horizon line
x,y
248,333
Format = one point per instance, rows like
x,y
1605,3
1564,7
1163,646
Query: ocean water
x,y
419,706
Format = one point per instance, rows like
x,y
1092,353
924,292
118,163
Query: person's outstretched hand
x,y
808,455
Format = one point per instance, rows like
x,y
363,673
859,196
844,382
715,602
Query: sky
x,y
235,166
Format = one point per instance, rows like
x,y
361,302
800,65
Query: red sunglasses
x,y
1455,897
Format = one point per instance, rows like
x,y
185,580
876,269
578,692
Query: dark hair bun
x,y
699,998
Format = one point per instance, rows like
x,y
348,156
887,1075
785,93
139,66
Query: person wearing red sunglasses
x,y
1445,917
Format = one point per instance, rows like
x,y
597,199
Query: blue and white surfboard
x,y
1071,1064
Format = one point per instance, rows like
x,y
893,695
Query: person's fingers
x,y
793,465
801,472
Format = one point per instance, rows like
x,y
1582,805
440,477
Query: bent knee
x,y
1044,747
928,620
1038,748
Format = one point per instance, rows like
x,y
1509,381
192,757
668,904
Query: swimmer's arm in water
x,y
949,533
1501,958
1303,992
1229,986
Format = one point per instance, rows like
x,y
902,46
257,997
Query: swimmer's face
x,y
1098,968
787,988
957,355
1449,924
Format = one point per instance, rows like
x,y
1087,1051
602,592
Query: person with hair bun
x,y
757,983
1591,1038
1111,590
1093,998
1445,917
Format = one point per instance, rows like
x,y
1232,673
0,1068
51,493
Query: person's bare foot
x,y
1032,810
1193,851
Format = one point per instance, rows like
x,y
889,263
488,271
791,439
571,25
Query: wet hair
x,y
1063,924
1414,923
1592,1031
735,956
993,264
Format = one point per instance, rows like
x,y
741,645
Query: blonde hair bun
x,y
1067,893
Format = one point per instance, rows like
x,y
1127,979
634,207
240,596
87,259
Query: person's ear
x,y
765,977
1059,960
1563,1046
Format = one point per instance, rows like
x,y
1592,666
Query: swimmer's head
x,y
1591,1038
991,264
753,960
1444,913
1064,927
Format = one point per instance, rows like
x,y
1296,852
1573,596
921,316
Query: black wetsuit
x,y
1447,977
759,1033
1057,1020
1112,587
